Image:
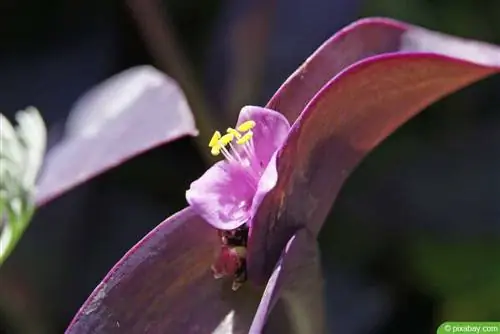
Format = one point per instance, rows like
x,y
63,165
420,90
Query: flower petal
x,y
350,116
145,292
297,284
269,133
130,113
223,195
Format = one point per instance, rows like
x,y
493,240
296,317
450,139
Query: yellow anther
x,y
235,133
226,139
215,139
246,137
215,150
245,126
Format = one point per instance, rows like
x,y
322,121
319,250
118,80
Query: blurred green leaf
x,y
478,303
21,154
464,273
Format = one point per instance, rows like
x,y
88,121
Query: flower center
x,y
237,146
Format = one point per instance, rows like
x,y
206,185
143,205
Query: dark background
x,y
438,173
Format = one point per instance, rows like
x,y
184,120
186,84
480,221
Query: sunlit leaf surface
x,y
128,114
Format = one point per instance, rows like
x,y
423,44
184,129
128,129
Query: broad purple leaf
x,y
350,116
297,283
164,285
363,39
132,112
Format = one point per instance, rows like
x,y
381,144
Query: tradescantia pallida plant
x,y
262,207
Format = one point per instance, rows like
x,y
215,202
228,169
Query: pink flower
x,y
226,196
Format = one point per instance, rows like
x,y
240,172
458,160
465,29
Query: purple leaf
x,y
350,116
164,285
297,283
363,39
130,113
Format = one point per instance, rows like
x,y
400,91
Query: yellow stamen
x,y
235,133
215,151
222,144
215,139
245,126
226,139
246,137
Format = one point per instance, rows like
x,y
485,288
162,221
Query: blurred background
x,y
437,175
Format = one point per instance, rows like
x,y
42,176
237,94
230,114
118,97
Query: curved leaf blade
x,y
164,285
297,283
349,117
363,39
128,114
